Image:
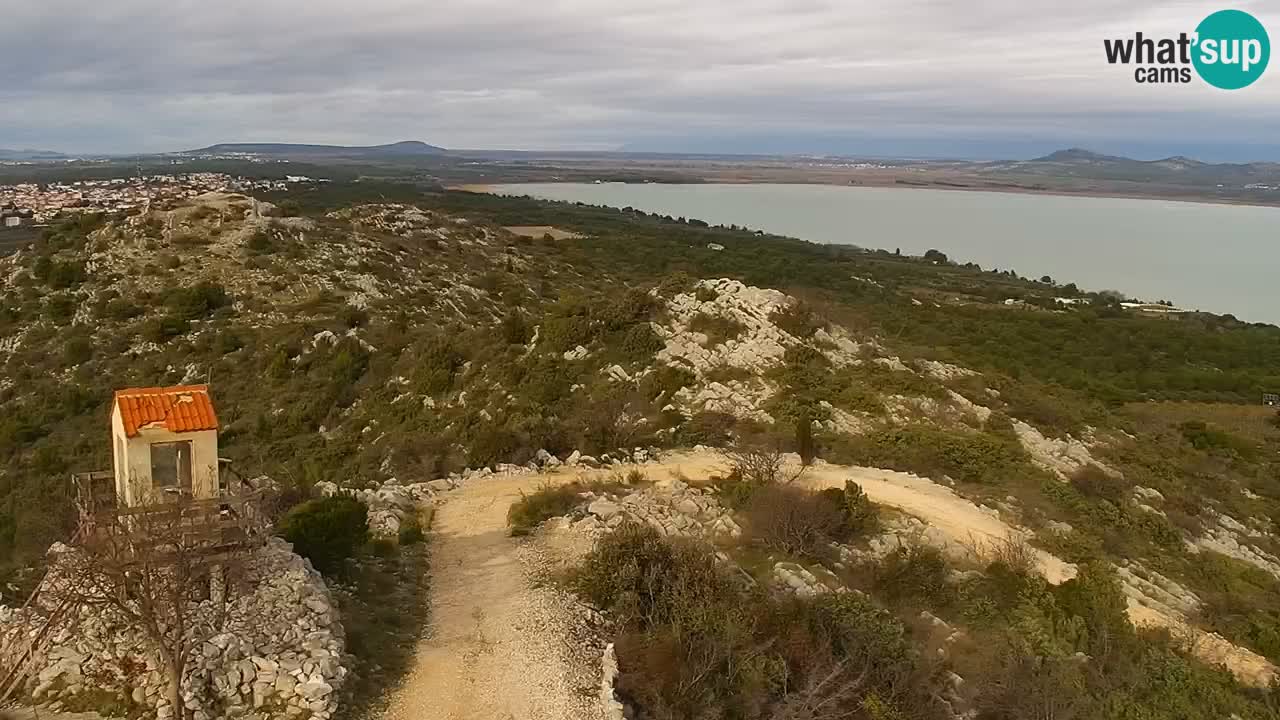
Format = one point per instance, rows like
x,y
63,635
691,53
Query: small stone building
x,y
164,443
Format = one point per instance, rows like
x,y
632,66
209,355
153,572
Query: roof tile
x,y
181,408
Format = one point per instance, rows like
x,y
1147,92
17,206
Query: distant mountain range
x,y
399,149
6,154
1177,169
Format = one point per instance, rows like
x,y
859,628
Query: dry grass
x,y
1249,421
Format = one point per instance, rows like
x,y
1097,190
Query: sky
x,y
928,78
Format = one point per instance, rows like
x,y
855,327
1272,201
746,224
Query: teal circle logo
x,y
1232,49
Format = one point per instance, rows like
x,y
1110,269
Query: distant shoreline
x,y
489,188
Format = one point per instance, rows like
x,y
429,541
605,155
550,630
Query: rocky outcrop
x,y
1230,537
798,580
759,346
1060,456
903,531
610,707
279,652
671,507
1153,590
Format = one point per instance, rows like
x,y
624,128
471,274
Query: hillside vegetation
x,y
362,332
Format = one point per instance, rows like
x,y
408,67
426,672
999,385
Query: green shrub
x,y
196,301
708,427
799,320
665,381
382,548
861,515
639,343
60,309
78,349
544,503
437,363
260,243
326,531
1092,481
1208,438
164,328
977,457
411,532
227,341
913,574
354,317
647,581
515,329
62,275
1238,601
121,309
680,614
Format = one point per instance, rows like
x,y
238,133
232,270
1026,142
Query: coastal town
x,y
39,203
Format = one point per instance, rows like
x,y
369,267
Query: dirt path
x,y
966,523
499,647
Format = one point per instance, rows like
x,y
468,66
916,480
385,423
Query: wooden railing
x,y
222,521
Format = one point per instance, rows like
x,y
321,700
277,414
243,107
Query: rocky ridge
x,y
279,655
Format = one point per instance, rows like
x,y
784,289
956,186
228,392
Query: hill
x,y
367,335
20,155
1176,170
398,149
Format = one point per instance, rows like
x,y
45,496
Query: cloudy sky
x,y
976,78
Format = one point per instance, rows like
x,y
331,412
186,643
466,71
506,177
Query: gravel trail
x,y
500,646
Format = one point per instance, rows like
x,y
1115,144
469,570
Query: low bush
x,y
120,309
708,428
717,328
544,503
1238,601
976,457
682,616
196,301
1092,481
411,532
913,574
861,515
705,294
382,548
798,320
78,349
796,521
164,328
326,531
1208,438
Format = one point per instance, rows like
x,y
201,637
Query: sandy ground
x,y
501,644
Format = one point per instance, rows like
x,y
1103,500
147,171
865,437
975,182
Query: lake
x,y
1219,258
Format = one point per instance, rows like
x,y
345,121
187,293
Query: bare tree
x,y
170,569
762,463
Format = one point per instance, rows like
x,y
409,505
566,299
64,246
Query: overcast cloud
x,y
930,77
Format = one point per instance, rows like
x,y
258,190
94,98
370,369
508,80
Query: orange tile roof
x,y
182,408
